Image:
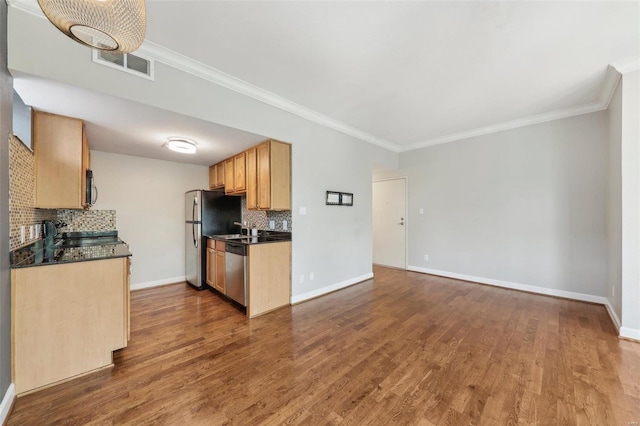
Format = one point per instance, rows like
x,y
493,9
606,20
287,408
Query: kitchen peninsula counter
x,y
71,247
69,308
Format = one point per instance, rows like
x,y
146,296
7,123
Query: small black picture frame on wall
x,y
335,198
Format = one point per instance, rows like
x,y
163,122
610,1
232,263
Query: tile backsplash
x,y
22,212
87,220
260,219
22,185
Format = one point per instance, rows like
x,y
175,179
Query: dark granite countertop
x,y
71,247
262,238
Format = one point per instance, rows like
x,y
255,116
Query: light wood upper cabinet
x,y
216,176
263,173
228,176
212,176
62,158
239,175
273,176
252,179
220,174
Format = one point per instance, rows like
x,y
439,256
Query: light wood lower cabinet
x,y
211,267
268,274
220,269
215,264
67,319
268,277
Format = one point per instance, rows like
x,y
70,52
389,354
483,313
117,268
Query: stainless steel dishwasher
x,y
235,265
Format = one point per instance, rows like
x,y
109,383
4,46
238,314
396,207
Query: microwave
x,y
92,192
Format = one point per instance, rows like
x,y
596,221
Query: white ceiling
x,y
406,73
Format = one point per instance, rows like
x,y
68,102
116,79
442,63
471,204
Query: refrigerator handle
x,y
193,231
193,226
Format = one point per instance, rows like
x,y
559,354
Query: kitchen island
x,y
69,308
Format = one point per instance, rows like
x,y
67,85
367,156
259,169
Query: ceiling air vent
x,y
127,62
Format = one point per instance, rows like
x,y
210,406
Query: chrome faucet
x,y
242,227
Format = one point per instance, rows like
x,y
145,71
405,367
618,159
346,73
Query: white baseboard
x,y
613,315
6,403
330,288
630,333
149,284
515,286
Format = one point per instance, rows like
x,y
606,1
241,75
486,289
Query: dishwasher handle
x,y
236,248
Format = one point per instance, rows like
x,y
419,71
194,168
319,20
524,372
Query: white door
x,y
389,223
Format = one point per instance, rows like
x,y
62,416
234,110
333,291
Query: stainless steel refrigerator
x,y
207,213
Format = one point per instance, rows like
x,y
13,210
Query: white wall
x,y
333,242
524,206
630,168
7,391
148,197
614,205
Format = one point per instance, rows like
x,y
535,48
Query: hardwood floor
x,y
404,348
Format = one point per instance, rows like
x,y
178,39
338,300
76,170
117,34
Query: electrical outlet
x,y
426,257
302,211
285,225
310,276
22,234
272,224
421,210
31,232
301,278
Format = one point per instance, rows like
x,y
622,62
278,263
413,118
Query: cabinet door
x,y
280,175
212,176
219,283
252,182
211,267
228,176
58,155
239,176
264,176
220,174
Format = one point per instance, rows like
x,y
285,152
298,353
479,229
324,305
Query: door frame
x,y
406,218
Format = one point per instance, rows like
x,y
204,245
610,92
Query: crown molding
x,y
198,69
609,87
508,125
627,65
29,6
213,75
184,63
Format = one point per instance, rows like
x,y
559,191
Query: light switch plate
x,y
285,225
302,211
272,224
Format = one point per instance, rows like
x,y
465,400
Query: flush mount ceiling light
x,y
114,25
181,145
